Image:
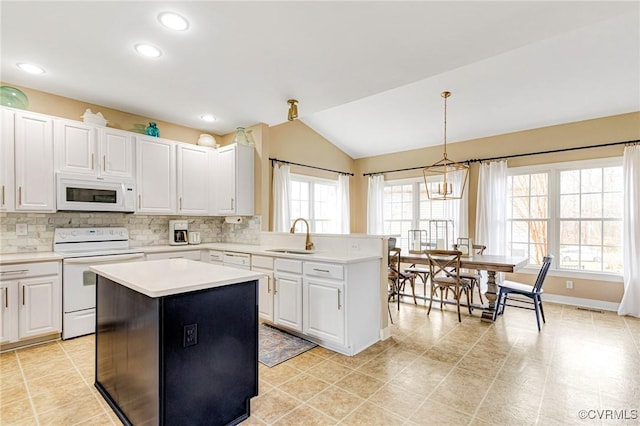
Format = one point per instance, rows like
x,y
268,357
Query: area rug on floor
x,y
276,346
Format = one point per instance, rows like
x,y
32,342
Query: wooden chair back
x,y
444,263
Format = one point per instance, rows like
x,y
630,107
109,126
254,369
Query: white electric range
x,y
81,247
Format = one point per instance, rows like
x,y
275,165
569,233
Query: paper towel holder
x,y
233,219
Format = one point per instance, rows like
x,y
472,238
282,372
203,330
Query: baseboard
x,y
385,333
580,302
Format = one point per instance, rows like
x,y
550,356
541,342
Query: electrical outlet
x,y
569,284
21,229
190,336
355,246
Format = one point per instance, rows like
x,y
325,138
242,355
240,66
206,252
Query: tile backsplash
x,y
144,230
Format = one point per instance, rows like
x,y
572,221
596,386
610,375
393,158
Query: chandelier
x,y
446,179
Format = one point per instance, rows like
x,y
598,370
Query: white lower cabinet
x,y
31,304
288,293
264,265
9,317
334,305
323,306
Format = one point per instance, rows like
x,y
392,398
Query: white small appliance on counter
x,y
178,232
194,237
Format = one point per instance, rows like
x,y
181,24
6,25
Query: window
x,y
573,210
528,215
407,207
315,199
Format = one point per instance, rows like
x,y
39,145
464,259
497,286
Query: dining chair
x,y
473,277
444,268
399,278
509,289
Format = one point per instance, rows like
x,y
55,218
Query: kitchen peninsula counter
x,y
177,341
321,255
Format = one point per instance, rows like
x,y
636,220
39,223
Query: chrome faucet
x,y
308,245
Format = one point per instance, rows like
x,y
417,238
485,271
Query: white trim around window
x,y
554,219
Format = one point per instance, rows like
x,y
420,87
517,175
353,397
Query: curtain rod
x,y
504,157
275,160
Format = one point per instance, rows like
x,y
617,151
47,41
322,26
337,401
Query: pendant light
x,y
446,179
293,109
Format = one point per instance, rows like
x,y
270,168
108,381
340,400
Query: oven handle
x,y
94,260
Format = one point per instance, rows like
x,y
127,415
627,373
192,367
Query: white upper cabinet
x,y
156,175
234,178
193,179
117,150
7,183
75,147
34,177
93,150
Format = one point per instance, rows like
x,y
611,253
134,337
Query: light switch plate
x,y
21,229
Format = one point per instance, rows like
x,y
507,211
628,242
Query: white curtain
x,y
458,210
630,304
491,211
375,205
344,217
281,197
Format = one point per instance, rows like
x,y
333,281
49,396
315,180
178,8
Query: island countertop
x,y
158,278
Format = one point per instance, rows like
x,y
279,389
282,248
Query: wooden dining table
x,y
484,262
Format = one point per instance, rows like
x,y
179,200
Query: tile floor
x,y
432,371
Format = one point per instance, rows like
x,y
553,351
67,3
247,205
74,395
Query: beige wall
x,y
58,106
296,142
618,128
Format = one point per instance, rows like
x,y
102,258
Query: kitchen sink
x,y
291,251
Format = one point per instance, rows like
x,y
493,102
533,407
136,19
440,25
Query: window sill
x,y
593,276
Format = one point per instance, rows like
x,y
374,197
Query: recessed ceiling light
x,y
148,50
173,21
208,117
30,68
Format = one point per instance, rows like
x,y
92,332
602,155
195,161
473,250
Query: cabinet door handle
x,y
19,195
23,295
139,200
180,203
268,284
3,195
339,305
275,286
17,271
92,160
6,297
232,200
326,271
104,163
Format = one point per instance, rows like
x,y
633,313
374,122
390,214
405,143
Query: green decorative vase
x,y
12,97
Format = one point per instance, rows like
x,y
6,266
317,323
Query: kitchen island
x,y
176,341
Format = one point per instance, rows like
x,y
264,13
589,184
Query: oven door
x,y
79,291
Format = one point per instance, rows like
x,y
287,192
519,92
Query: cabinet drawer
x,y
263,262
21,270
215,256
288,265
326,270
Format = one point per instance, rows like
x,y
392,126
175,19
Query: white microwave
x,y
89,193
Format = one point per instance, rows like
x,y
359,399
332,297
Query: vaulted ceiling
x,y
368,75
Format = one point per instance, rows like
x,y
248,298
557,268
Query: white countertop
x,y
40,256
157,278
335,256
